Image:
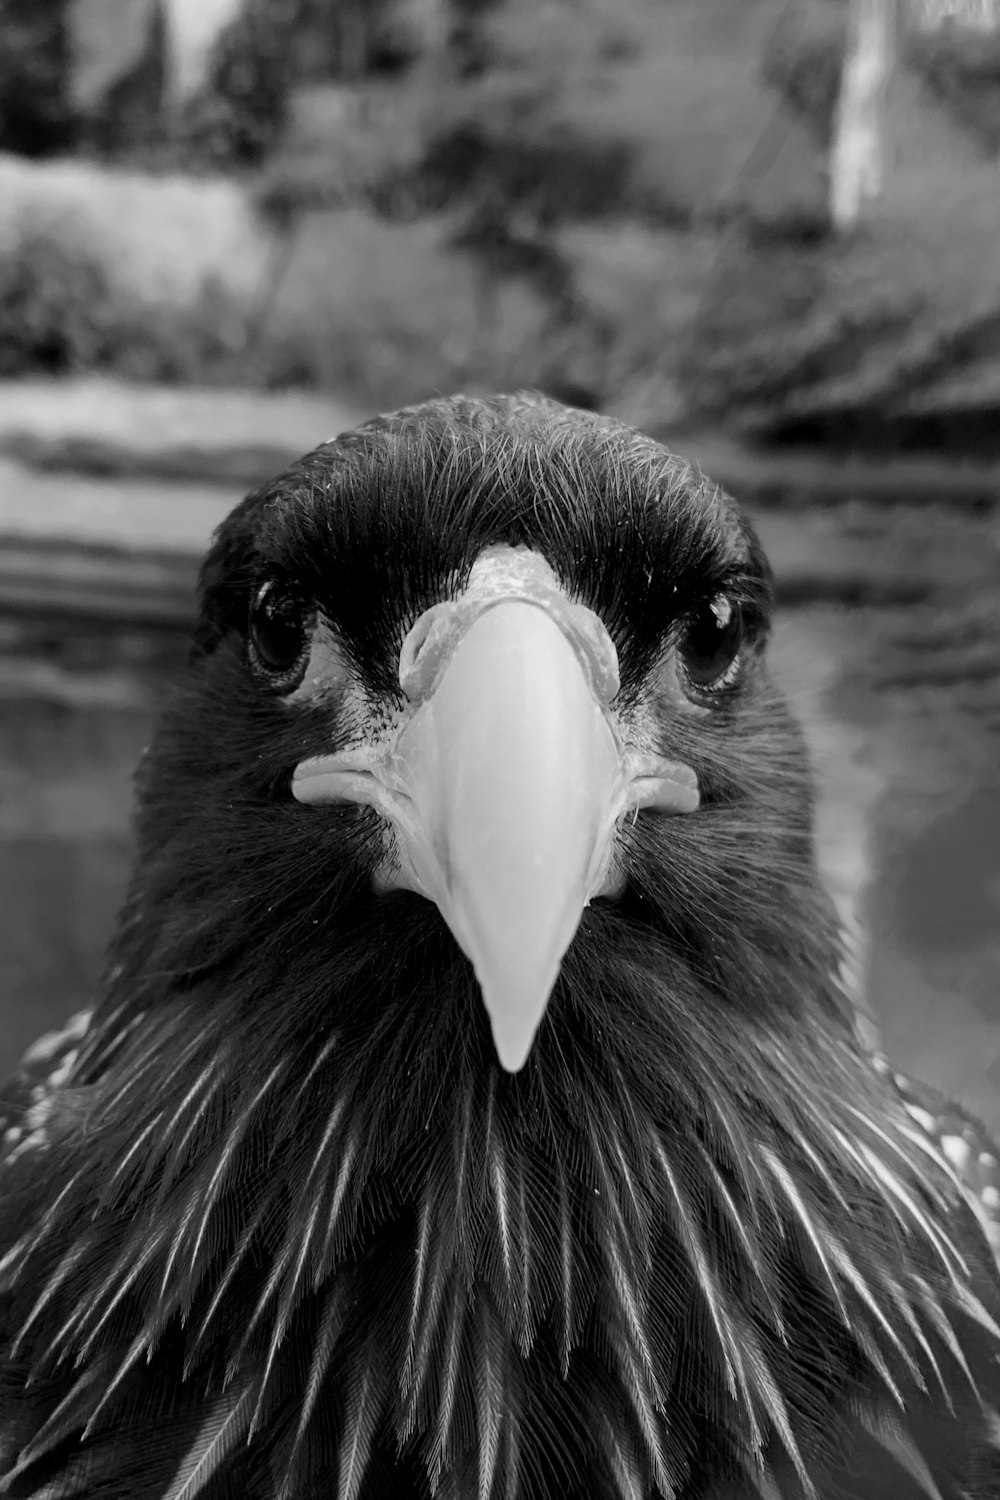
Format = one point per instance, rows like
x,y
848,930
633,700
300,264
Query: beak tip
x,y
514,1027
512,1056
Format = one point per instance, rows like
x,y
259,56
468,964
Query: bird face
x,y
493,657
506,776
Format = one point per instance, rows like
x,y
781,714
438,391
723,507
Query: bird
x,y
473,1108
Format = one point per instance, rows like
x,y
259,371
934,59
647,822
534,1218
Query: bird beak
x,y
505,785
514,773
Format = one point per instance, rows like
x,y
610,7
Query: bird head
x,y
489,677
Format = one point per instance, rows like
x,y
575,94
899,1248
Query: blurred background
x,y
767,231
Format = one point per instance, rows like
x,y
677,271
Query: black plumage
x,y
284,1226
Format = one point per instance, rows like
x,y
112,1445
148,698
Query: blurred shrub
x,y
36,115
344,145
61,312
55,308
241,112
553,174
384,310
353,38
159,235
562,112
802,62
109,91
837,341
603,201
121,85
866,341
627,119
959,67
545,117
816,332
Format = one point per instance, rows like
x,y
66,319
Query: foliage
x,y
550,174
529,125
53,308
344,146
540,121
352,39
439,138
884,338
36,116
560,113
803,61
597,197
958,65
382,310
240,114
960,69
61,312
122,94
807,328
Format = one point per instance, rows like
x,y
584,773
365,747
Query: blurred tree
x,y
352,39
956,54
119,74
803,61
274,52
239,114
857,148
520,128
888,339
37,117
193,27
511,159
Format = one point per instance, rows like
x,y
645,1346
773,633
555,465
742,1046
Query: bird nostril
x,y
424,649
413,645
597,649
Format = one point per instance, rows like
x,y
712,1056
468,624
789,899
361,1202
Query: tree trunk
x,y
857,153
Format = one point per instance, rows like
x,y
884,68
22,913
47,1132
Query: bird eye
x,y
709,648
278,635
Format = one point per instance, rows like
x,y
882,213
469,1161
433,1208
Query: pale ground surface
x,y
909,811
